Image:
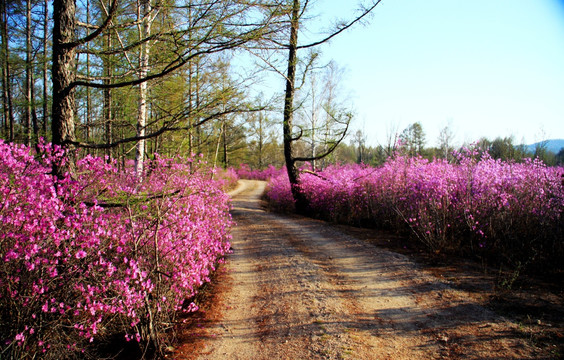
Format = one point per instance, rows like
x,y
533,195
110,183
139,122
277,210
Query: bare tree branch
x,y
342,28
331,148
96,32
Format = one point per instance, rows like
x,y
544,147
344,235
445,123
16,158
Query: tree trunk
x,y
28,79
88,120
144,30
63,75
33,106
6,86
45,81
108,103
190,116
190,99
224,140
261,141
197,106
293,175
313,121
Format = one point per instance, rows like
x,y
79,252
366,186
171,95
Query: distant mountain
x,y
551,145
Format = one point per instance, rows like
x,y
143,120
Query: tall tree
x,y
88,113
8,112
31,123
145,16
445,143
289,137
413,139
287,124
260,139
45,65
360,141
63,75
325,103
108,114
28,74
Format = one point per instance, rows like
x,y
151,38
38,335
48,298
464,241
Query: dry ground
x,y
296,288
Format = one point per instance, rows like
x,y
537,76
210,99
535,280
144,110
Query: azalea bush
x,y
504,210
226,178
279,193
102,254
244,171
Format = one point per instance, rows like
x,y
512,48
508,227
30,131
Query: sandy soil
x,y
296,288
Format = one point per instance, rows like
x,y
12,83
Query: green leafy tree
x,y
412,139
560,157
211,28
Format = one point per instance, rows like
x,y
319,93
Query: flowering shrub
x,y
226,178
83,260
244,172
279,194
509,210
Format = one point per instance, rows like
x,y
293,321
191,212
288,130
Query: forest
x,y
132,79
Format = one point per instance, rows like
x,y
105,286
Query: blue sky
x,y
484,67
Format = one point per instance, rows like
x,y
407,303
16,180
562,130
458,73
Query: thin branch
x,y
267,62
162,130
176,64
333,146
341,29
296,138
306,171
96,32
86,25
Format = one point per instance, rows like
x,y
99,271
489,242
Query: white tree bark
x,y
144,31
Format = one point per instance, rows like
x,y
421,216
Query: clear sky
x,y
484,67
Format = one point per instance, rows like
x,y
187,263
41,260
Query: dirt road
x,y
297,288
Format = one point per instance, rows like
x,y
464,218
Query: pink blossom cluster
x,y
479,205
227,178
245,172
104,252
279,193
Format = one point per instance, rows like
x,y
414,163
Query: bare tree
x,y
360,140
445,139
260,125
313,117
296,13
392,137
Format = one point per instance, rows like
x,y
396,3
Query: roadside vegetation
x,y
503,211
103,259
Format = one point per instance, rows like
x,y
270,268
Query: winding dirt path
x,y
297,288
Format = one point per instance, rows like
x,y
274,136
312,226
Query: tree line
x,y
412,141
128,78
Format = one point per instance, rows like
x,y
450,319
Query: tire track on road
x,y
300,289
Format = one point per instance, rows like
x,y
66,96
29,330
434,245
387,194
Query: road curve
x,y
298,288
